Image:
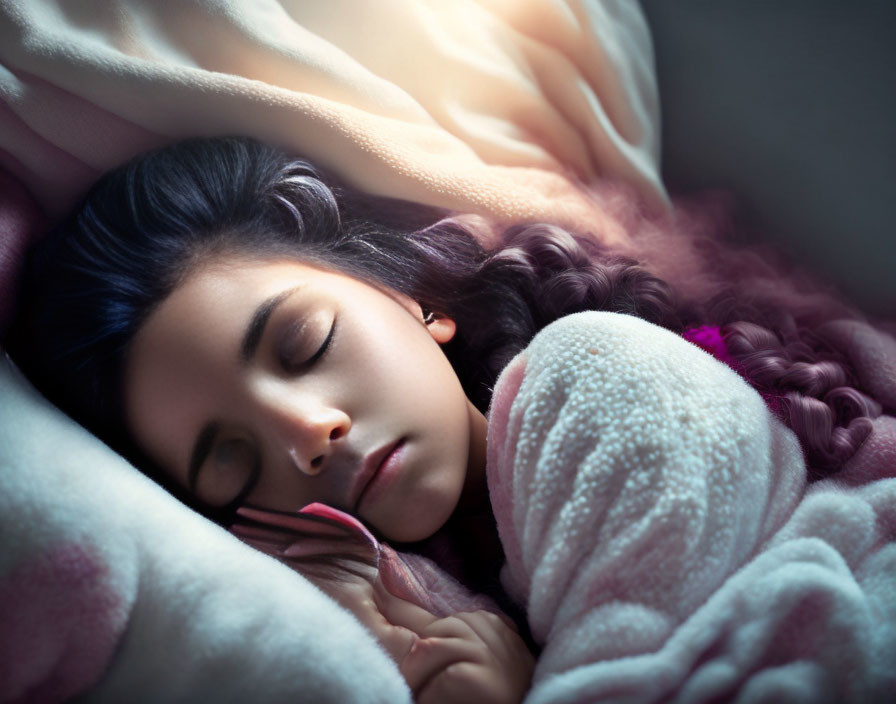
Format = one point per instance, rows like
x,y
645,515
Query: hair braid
x,y
817,393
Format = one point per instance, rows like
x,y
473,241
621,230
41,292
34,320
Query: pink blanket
x,y
659,529
660,532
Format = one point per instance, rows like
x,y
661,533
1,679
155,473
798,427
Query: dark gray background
x,y
792,105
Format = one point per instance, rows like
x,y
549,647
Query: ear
x,y
442,328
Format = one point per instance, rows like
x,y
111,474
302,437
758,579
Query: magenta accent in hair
x,y
766,309
709,339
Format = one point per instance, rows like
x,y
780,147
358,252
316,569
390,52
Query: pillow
x,y
20,221
111,587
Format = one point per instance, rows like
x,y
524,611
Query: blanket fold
x,y
113,591
486,107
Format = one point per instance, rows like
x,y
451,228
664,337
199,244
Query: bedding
x,y
659,529
169,602
533,97
660,532
114,591
89,546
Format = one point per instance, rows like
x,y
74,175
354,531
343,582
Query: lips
x,y
370,467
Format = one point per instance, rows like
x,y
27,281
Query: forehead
x,y
203,318
222,280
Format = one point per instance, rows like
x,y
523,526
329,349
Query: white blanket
x,y
480,106
491,107
661,535
113,591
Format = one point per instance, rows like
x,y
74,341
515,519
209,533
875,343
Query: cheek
x,y
406,371
444,408
158,423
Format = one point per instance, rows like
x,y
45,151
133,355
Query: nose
x,y
307,432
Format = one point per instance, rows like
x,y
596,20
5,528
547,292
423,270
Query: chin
x,y
411,533
419,523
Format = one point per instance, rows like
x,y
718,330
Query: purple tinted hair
x,y
819,398
93,281
768,312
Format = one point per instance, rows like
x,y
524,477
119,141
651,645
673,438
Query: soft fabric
x,y
495,107
661,535
109,585
322,534
112,589
100,572
20,223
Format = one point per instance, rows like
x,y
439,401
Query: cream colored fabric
x,y
496,107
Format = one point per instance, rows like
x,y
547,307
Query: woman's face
x,y
333,390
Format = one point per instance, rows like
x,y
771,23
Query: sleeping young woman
x,y
257,336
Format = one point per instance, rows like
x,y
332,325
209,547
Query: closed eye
x,y
229,472
292,358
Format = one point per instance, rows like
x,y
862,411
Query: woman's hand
x,y
471,657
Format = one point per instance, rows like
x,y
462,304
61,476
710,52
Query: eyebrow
x,y
204,442
255,329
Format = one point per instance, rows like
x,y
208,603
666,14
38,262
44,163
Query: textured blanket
x,y
480,106
661,534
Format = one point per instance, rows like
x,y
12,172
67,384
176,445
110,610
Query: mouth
x,y
374,468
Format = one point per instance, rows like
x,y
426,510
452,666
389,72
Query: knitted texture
x,y
659,532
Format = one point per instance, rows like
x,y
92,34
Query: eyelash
x,y
291,368
227,512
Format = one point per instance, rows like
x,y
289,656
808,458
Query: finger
x,y
430,656
503,644
401,612
450,627
486,633
464,683
490,628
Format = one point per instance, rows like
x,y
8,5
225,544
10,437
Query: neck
x,y
474,495
472,528
467,545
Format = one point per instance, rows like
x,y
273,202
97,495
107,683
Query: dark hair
x,y
95,279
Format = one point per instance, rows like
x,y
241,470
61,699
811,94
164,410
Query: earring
x,y
429,318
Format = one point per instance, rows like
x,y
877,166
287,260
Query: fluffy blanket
x,y
480,106
335,539
661,534
113,591
110,587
